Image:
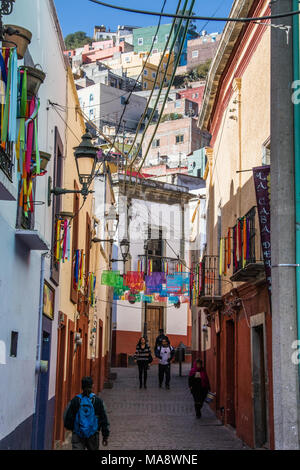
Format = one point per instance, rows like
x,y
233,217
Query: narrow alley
x,y
160,419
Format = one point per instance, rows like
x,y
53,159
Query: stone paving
x,y
160,419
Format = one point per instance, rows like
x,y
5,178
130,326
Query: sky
x,y
83,15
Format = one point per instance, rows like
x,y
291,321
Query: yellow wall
x,y
75,130
137,61
238,146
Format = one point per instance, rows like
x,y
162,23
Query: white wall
x,y
20,280
169,218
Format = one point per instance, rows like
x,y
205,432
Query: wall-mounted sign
x,y
48,301
262,188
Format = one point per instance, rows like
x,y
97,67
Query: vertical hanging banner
x,y
262,188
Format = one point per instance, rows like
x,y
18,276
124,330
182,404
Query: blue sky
x,y
83,15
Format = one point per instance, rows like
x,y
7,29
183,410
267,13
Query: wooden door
x,y
154,323
259,386
230,372
60,371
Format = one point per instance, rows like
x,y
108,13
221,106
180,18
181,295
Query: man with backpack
x,y
165,353
85,416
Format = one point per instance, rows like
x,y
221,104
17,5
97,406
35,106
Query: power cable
x,y
155,81
190,17
165,73
170,84
138,78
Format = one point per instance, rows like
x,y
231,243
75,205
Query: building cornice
x,y
240,8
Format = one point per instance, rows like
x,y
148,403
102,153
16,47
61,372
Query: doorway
x,y
60,372
154,323
259,386
230,373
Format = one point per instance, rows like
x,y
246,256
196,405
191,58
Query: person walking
x,y
199,385
160,337
143,358
85,416
165,353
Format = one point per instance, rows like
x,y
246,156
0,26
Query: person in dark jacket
x,y
160,337
165,353
143,357
199,385
90,443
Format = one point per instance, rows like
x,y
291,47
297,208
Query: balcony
x,y
210,291
8,191
247,268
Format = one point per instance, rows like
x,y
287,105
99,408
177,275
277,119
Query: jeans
x,y
82,443
143,367
164,370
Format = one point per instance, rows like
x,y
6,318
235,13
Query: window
x,y
179,139
154,39
91,97
14,343
195,54
155,51
145,85
75,235
145,72
57,201
91,114
153,74
140,41
156,143
127,59
165,66
177,103
167,37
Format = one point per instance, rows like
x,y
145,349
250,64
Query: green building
x,y
143,38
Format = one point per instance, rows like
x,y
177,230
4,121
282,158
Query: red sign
x,y
262,188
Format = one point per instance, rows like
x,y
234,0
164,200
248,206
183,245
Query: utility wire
x,y
170,84
155,81
138,78
165,73
190,17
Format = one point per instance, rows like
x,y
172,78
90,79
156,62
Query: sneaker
x,y
168,387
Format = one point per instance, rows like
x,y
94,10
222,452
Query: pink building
x,y
193,94
94,55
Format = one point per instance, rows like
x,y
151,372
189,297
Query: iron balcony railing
x,y
6,164
240,262
210,279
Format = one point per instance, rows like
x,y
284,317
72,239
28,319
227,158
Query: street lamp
x,y
124,246
85,153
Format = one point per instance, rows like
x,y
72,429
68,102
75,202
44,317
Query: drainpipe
x,y
39,368
296,66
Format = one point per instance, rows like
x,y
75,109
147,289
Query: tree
x,y
78,39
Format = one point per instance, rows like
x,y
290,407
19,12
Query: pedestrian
x,y
85,416
165,353
199,385
143,358
160,337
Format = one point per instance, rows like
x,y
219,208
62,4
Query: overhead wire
x,y
156,77
202,28
191,17
165,74
170,84
139,76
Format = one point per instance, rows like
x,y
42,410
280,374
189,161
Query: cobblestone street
x,y
160,419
